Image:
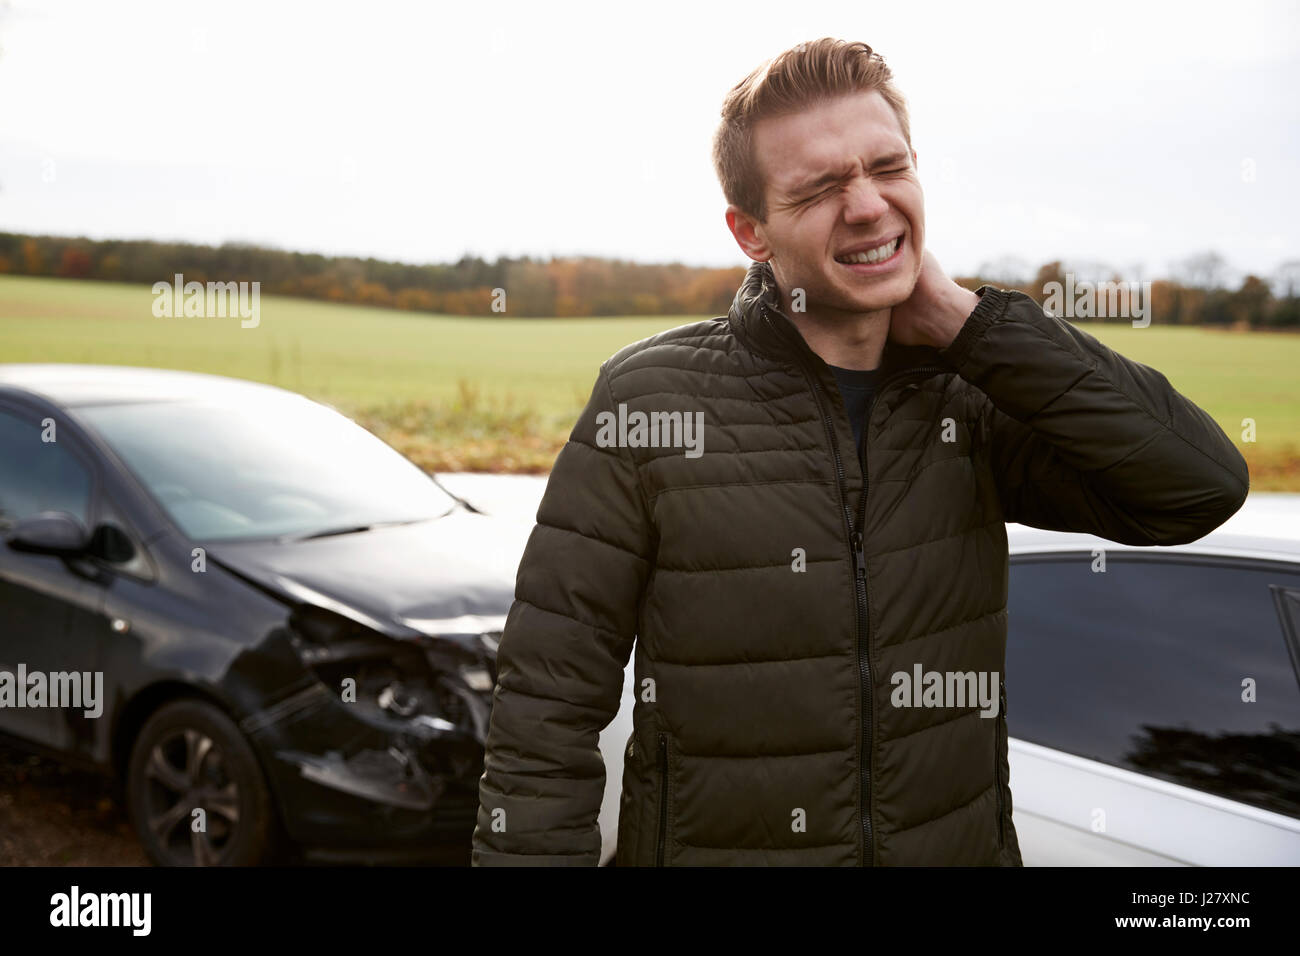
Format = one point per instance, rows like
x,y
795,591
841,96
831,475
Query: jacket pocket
x,y
665,744
999,742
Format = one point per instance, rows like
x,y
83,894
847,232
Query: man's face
x,y
839,180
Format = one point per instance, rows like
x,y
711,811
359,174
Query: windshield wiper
x,y
351,529
324,534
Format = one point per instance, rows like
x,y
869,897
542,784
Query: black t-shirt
x,y
856,386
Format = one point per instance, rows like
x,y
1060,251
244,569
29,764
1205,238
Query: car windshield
x,y
279,467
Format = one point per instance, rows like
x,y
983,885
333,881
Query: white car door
x,y
1154,710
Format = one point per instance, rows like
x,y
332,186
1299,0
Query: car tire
x,y
189,755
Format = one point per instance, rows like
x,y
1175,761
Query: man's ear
x,y
748,234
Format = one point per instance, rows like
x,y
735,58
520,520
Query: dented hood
x,y
446,575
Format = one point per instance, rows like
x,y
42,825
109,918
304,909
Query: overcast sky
x,y
1128,133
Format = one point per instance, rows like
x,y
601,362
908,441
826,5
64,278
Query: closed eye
x,y
826,192
815,196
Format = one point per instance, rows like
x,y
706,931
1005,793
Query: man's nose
x,y
864,201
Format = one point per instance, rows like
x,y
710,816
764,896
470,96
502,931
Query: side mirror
x,y
50,532
111,543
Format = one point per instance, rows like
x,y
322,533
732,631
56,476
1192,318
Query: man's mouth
x,y
872,256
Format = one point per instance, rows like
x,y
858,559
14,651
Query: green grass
x,y
501,394
452,392
340,353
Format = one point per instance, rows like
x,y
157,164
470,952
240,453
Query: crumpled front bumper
x,y
389,763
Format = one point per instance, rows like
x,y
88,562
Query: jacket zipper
x,y
862,599
663,798
863,588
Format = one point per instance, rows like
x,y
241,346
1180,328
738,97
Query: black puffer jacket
x,y
768,724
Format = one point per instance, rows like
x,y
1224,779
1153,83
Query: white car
x,y
1153,693
1154,706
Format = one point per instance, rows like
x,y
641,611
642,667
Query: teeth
x,y
875,255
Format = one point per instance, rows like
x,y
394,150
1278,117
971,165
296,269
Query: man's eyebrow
x,y
893,159
881,162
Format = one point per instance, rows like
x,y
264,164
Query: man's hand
x,y
935,311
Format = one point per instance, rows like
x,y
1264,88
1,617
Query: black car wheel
x,y
190,756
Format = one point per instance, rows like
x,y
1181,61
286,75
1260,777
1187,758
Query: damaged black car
x,y
295,625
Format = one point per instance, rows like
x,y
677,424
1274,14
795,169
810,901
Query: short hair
x,y
792,81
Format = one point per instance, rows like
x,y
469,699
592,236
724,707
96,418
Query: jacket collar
x,y
757,320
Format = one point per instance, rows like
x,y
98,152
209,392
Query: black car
x,y
295,626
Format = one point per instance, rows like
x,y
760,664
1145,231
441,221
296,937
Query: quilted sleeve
x,y
562,653
1082,439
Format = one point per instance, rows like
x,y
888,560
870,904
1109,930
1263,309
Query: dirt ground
x,y
51,815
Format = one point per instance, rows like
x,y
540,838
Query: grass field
x,y
469,394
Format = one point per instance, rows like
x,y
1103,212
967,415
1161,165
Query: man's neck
x,y
843,339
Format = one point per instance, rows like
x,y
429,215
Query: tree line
x,y
585,286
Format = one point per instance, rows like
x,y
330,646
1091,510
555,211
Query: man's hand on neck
x,y
935,311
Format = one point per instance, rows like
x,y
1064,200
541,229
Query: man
x,y
784,594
